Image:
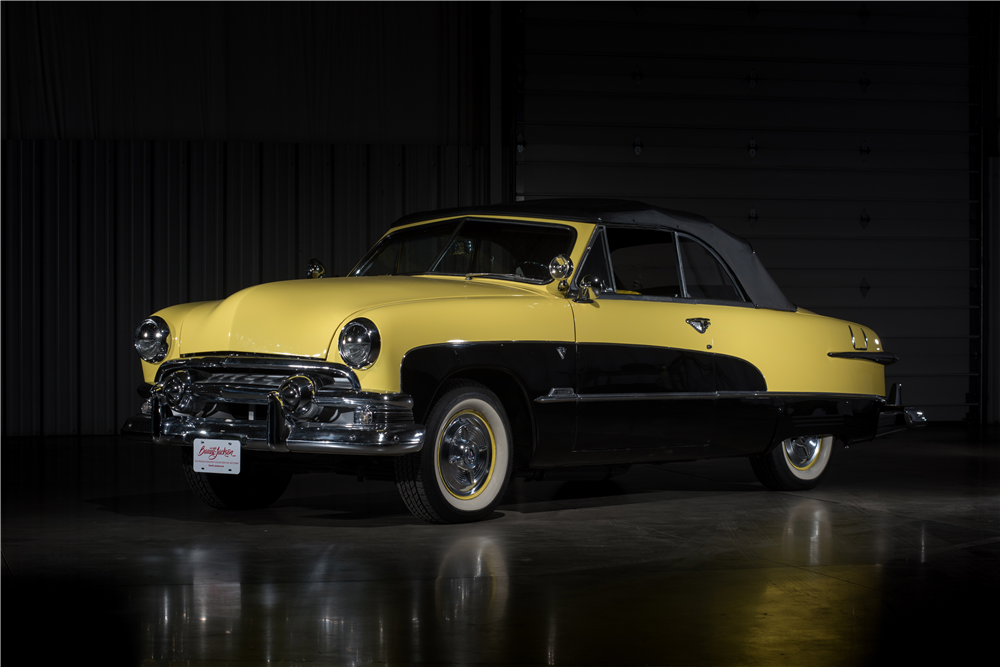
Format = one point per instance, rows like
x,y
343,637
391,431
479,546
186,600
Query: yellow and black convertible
x,y
530,339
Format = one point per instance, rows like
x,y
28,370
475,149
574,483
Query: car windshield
x,y
491,248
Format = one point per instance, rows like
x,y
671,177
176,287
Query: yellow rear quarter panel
x,y
792,351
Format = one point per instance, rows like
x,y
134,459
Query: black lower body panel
x,y
848,418
731,424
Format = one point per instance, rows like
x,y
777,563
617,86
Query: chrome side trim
x,y
797,394
561,397
884,358
671,396
558,395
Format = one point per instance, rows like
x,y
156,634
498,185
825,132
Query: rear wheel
x,y
796,464
463,469
255,487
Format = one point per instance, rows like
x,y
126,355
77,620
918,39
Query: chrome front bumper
x,y
240,398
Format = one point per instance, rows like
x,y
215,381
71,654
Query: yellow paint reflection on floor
x,y
806,616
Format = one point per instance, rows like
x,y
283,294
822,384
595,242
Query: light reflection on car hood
x,y
302,317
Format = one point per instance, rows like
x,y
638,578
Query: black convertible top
x,y
736,251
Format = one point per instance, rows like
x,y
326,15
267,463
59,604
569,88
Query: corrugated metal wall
x,y
836,137
299,72
99,234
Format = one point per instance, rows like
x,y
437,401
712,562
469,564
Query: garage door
x,y
835,137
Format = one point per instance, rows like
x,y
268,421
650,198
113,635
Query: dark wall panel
x,y
99,234
307,72
838,137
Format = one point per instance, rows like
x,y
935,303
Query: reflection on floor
x,y
108,556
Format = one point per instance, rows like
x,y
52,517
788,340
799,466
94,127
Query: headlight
x,y
152,339
359,343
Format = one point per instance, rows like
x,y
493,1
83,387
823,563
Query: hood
x,y
302,317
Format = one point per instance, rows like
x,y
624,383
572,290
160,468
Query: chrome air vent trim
x,y
262,355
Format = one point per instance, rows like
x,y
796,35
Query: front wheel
x,y
797,464
462,471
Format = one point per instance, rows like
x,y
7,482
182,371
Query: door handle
x,y
700,324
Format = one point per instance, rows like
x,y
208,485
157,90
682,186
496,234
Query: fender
x,y
534,367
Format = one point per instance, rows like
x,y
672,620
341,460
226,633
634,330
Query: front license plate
x,y
219,456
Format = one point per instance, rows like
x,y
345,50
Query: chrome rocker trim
x,y
387,429
567,395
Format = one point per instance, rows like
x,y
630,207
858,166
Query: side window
x,y
704,276
644,262
596,263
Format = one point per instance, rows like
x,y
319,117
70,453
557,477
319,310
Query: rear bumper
x,y
896,418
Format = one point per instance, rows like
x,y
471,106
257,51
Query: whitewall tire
x,y
464,467
796,464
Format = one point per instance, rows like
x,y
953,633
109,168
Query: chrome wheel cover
x,y
802,452
466,454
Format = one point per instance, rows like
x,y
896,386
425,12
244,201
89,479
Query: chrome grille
x,y
246,378
264,373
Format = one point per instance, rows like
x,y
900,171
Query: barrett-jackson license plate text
x,y
218,456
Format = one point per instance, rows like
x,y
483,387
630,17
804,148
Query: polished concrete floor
x,y
108,557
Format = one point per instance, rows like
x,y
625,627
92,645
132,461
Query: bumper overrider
x,y
896,417
274,404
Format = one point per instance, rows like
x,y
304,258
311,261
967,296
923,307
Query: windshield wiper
x,y
503,276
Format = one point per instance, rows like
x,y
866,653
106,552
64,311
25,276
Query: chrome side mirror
x,y
315,269
561,268
590,288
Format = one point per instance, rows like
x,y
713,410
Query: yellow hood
x,y
303,317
